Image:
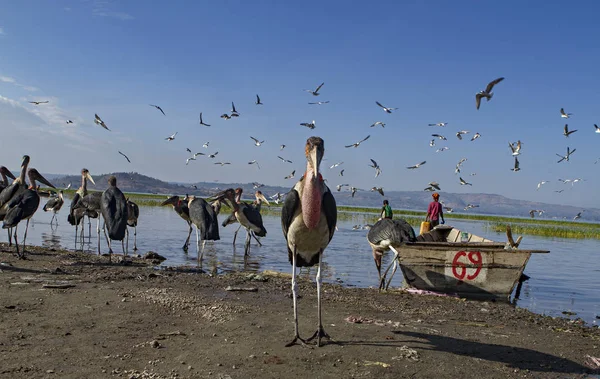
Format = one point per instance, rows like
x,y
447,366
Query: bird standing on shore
x,y
308,220
54,205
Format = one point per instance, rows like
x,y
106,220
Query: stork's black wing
x,y
330,209
290,205
253,215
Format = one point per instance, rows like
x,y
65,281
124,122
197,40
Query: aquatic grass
x,y
574,230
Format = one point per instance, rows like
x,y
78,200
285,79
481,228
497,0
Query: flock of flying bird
x,y
309,212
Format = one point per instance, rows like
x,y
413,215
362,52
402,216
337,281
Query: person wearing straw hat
x,y
435,211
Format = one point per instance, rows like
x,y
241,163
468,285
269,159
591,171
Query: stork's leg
x,y
320,331
127,235
52,219
256,238
16,241
107,242
123,246
295,300
25,236
235,234
202,251
76,230
9,237
98,233
135,238
247,243
395,264
187,241
90,227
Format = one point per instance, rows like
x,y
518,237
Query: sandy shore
x,y
72,315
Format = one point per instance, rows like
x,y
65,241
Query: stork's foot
x,y
320,333
298,341
135,248
185,248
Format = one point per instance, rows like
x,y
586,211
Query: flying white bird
x,y
376,167
475,136
342,173
566,157
377,189
340,186
439,136
435,185
385,109
563,114
290,176
442,124
171,137
99,121
319,102
487,93
211,155
460,133
432,143
254,162
159,108
205,145
378,123
38,102
417,165
515,148
357,144
336,164
222,163
315,92
568,132
464,182
284,160
310,125
541,184
126,157
597,128
257,142
442,149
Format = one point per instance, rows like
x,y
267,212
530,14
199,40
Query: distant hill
x,y
410,200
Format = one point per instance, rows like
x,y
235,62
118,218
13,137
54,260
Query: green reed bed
x,y
573,230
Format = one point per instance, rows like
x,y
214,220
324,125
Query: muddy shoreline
x,y
72,315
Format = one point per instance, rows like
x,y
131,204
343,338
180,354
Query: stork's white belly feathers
x,y
308,242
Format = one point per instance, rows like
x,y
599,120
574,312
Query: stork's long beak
x,y
263,198
41,179
314,160
7,172
89,177
170,201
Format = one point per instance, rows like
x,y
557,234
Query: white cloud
x,y
101,8
7,79
1,31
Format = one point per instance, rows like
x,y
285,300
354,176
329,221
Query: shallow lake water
x,y
567,279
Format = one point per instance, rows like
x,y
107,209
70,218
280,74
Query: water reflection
x,y
563,280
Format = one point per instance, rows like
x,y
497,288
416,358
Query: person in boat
x,y
435,211
386,210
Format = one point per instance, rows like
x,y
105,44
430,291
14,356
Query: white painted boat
x,y
451,261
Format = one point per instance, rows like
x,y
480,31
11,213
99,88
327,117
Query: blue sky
x,y
428,58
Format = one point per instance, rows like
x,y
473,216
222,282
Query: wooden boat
x,y
450,261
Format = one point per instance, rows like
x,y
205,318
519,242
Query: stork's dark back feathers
x,y
75,215
114,212
204,217
253,215
395,231
133,212
21,207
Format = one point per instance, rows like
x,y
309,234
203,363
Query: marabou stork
x,y
92,205
308,220
22,206
5,175
232,219
114,213
54,205
181,208
133,212
76,215
386,235
204,218
248,216
18,185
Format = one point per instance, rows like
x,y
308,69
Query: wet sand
x,y
71,315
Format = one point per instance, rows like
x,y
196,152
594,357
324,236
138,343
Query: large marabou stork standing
x,y
181,208
18,185
133,213
308,220
257,204
22,206
114,213
248,216
204,218
76,215
92,205
387,235
5,175
54,205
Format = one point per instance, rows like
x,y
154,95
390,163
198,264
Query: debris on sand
x,y
592,362
372,363
154,257
407,353
241,289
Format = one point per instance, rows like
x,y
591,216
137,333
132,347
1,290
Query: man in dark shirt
x,y
434,211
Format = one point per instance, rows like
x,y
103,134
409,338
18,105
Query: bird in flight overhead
x,y
226,116
385,109
541,184
567,132
417,165
563,114
69,122
254,162
205,145
464,182
99,121
378,123
378,189
442,124
435,185
440,137
171,137
315,92
376,167
475,136
222,163
342,173
357,144
566,157
336,164
212,155
460,133
310,125
516,166
442,149
234,112
257,142
284,160
597,128
258,102
290,176
487,93
281,147
515,148
202,121
39,102
125,157
159,108
319,102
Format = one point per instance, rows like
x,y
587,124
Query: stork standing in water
x,y
92,205
22,206
5,175
308,220
249,217
76,215
133,212
18,186
204,218
257,204
114,213
386,235
54,205
181,208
